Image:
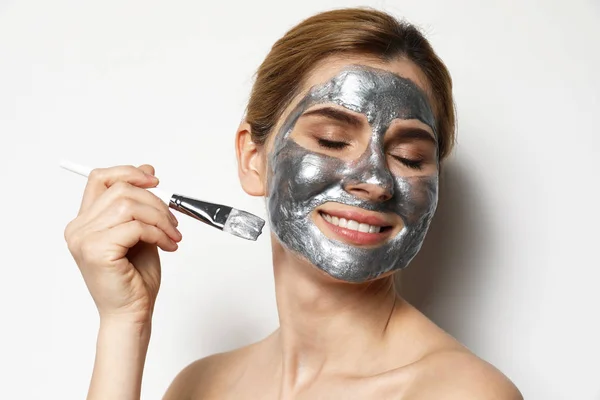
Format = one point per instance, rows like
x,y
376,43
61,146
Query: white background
x,y
511,263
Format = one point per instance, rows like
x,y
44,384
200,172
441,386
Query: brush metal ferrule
x,y
212,214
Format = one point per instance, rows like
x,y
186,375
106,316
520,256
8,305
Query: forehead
x,y
330,67
379,94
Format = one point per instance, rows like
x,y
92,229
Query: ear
x,y
251,162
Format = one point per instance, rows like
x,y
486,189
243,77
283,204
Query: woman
x,y
348,121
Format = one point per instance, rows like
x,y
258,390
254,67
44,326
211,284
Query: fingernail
x,y
179,233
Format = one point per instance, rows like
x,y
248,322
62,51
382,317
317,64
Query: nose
x,y
372,183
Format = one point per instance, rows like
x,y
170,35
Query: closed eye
x,y
410,163
331,144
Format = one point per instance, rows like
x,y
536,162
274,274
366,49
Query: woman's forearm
x,y
120,355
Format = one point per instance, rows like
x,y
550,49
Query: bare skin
x,y
336,340
407,357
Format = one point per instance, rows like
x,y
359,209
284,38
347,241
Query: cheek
x,y
313,170
418,197
303,174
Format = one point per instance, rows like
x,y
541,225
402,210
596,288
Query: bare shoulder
x,y
206,378
440,367
460,375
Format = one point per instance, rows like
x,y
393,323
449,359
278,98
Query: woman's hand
x,y
114,241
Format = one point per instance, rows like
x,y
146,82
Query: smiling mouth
x,y
359,231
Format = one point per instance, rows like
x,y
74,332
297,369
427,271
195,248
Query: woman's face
x,y
352,169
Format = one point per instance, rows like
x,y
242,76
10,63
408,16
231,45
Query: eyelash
x,y
334,145
413,164
331,144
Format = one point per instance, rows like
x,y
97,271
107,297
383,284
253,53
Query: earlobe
x,y
250,161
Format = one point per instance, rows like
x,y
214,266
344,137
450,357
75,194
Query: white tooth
x,y
343,223
353,225
327,217
363,228
374,229
335,220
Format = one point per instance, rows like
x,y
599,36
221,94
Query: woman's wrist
x,y
127,324
120,356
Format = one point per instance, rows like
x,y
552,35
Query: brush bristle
x,y
243,224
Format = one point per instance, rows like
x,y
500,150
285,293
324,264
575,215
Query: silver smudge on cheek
x,y
300,180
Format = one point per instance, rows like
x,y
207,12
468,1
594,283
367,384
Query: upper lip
x,y
359,216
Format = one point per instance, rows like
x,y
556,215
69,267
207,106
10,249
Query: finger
x,y
122,190
100,179
133,232
147,168
125,209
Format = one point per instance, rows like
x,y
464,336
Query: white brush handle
x,y
82,170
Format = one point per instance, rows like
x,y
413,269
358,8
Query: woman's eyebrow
x,y
414,133
337,115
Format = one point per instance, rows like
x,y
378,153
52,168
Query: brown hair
x,y
350,30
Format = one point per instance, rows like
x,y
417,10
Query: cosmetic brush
x,y
228,219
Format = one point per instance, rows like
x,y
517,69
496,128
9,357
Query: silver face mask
x,y
300,180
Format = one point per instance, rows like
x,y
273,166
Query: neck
x,y
327,326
